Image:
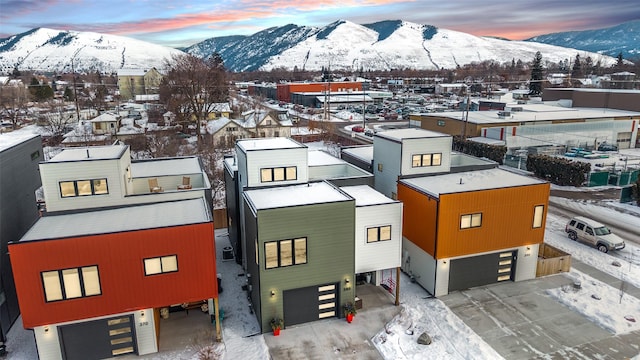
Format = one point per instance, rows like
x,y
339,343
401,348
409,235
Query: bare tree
x,y
13,102
193,86
57,120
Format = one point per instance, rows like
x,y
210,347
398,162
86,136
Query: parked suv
x,y
594,233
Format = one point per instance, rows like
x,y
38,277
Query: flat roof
x,y
295,195
13,138
364,153
365,195
110,152
410,133
268,144
469,181
166,167
321,158
150,216
532,114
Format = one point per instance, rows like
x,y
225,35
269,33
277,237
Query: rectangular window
x,y
278,174
83,188
161,265
538,213
285,253
470,221
35,155
424,160
71,283
380,233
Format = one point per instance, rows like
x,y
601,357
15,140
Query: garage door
x,y
98,339
481,270
309,304
624,140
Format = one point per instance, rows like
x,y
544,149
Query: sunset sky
x,y
180,23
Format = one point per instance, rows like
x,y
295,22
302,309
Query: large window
x,y
380,233
83,187
470,221
538,213
161,265
424,160
285,253
278,174
71,283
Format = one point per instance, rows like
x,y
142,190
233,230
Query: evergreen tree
x,y
588,66
68,94
535,84
576,72
620,62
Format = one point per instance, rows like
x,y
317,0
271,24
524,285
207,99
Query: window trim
x,y
378,234
471,220
61,283
279,250
422,160
272,170
162,271
76,191
537,216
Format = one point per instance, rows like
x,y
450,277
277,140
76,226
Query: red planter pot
x,y
276,332
349,318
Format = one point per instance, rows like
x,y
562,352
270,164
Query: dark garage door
x,y
309,304
481,270
98,339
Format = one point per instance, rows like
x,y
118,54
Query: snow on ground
x,y
606,306
451,337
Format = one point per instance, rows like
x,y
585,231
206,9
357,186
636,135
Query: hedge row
x,y
558,171
491,152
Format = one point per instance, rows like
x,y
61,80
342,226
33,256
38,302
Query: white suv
x,y
594,233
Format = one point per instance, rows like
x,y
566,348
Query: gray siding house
x,y
20,154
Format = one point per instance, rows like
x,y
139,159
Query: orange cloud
x,y
250,10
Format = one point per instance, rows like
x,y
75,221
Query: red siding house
x,y
93,277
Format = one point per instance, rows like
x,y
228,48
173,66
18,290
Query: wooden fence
x,y
552,260
220,218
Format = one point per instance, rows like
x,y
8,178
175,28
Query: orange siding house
x,y
472,228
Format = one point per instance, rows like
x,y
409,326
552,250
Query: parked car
x,y
593,233
607,147
357,128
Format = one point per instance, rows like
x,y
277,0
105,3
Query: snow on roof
x,y
213,126
131,72
165,167
268,144
536,112
485,140
320,158
469,181
365,195
110,152
105,117
13,138
364,153
129,218
411,133
295,195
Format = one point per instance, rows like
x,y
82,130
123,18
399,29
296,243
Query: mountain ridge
x,y
342,44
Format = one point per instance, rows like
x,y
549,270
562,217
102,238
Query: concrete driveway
x,y
520,321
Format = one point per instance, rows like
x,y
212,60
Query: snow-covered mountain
x,y
51,50
620,39
379,46
344,45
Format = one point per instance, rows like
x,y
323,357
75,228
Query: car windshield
x,y
603,230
